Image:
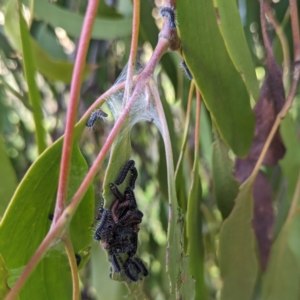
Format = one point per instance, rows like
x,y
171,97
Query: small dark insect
x,y
132,180
116,192
125,231
50,217
134,245
115,262
140,265
114,209
122,208
126,217
128,166
128,271
104,226
131,217
100,210
78,259
129,195
186,70
95,115
169,12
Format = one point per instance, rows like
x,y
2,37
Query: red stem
x,y
72,107
133,49
295,29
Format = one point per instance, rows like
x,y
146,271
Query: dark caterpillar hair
x,y
128,166
95,115
100,210
186,70
115,263
139,266
134,175
104,225
116,192
169,12
78,259
128,271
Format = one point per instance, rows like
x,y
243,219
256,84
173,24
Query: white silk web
x,y
143,108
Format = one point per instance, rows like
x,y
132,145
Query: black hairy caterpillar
x,y
186,70
95,115
169,12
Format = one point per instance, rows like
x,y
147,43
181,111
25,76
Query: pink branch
x,y
295,29
133,49
72,107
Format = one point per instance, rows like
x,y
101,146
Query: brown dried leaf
x,y
263,217
271,101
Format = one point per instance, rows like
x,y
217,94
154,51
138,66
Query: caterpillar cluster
x,y
118,228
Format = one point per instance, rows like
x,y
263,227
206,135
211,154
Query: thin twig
x,y
186,127
64,174
282,38
133,50
197,128
295,29
171,3
263,7
22,98
73,264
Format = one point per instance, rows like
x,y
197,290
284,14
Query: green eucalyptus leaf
x,y
33,91
281,280
194,233
236,44
290,164
225,186
238,262
26,222
206,137
176,260
47,39
187,288
104,28
100,270
8,177
47,65
221,86
120,154
4,288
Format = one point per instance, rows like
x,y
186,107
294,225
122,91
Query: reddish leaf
x,y
263,217
271,101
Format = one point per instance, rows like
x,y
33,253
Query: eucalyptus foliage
x,y
217,153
